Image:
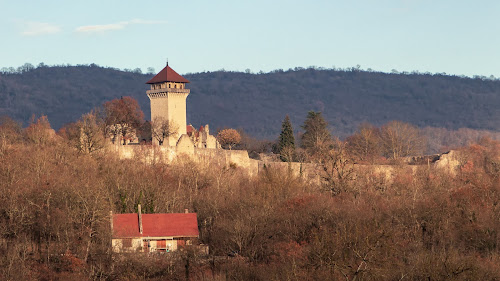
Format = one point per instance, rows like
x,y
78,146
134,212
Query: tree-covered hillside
x,y
65,93
258,103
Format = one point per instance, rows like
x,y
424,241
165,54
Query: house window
x,y
175,86
161,245
127,243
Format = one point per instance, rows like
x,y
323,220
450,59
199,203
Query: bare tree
x,y
364,145
401,139
337,167
39,132
123,117
10,132
91,136
162,129
287,153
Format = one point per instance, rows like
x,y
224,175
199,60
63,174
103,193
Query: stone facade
x,y
170,105
201,138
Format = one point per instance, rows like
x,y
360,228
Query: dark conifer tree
x,y
316,135
286,143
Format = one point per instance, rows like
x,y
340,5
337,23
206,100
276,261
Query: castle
x,y
168,96
174,140
177,140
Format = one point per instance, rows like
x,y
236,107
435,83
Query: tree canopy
x,y
228,138
123,117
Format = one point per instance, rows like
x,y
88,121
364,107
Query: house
x,y
153,232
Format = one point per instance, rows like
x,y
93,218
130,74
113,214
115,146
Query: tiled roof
x,y
167,75
190,129
156,225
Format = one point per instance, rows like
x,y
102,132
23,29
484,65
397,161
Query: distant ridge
x,y
258,103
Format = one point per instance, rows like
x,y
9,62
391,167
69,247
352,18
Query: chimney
x,y
111,220
140,218
186,211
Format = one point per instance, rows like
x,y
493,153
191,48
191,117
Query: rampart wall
x,y
239,158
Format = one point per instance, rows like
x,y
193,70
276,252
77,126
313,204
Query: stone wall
x,y
239,158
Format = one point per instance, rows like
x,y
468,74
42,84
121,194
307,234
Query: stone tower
x,y
167,96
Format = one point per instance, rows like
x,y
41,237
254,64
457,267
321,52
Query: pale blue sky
x,y
456,37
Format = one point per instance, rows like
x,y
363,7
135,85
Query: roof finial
x,y
167,61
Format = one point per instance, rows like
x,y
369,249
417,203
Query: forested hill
x,y
258,103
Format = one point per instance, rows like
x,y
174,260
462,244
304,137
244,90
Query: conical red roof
x,y
167,75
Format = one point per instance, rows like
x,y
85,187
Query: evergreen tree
x,y
286,143
316,135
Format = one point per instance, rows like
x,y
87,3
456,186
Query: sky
x,y
459,37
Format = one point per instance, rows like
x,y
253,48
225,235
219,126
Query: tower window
x,y
175,86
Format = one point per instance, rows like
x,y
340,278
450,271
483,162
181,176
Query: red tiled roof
x,y
190,128
156,225
167,75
